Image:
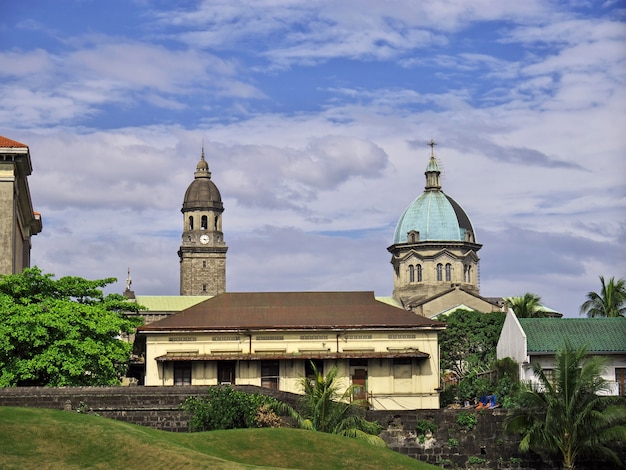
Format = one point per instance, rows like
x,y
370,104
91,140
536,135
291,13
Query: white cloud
x,y
315,164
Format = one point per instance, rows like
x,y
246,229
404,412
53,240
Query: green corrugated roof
x,y
170,303
598,334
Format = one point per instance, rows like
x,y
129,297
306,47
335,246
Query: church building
x,y
435,254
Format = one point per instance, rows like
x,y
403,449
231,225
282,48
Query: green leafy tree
x,y
526,306
469,340
567,415
323,407
61,332
610,302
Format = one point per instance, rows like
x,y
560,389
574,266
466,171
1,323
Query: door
x,y
359,382
269,374
182,373
226,372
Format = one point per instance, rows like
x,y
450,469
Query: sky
x,y
315,118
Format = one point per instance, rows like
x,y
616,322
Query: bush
x,y
423,427
467,420
226,408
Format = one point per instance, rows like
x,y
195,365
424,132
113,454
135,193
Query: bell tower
x,y
202,251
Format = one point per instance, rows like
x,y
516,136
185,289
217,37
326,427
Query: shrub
x,y
467,420
423,427
225,408
267,418
476,460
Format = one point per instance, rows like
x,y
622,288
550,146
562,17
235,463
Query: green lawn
x,y
32,438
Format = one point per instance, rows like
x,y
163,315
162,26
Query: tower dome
x,y
433,215
202,192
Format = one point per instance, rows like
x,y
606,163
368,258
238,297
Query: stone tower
x,y
434,247
202,252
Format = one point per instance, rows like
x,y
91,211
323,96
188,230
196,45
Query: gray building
x,y
202,252
18,221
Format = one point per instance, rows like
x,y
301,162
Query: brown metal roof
x,y
292,310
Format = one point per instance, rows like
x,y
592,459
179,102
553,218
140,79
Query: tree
x,y
469,340
324,408
610,302
525,306
567,415
61,332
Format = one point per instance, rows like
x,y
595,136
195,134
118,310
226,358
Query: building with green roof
x,y
536,340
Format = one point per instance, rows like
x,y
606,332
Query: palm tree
x,y
610,302
324,408
526,306
565,414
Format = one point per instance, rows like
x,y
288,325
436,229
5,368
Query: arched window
x,y
448,272
215,223
204,223
411,273
419,273
469,274
440,272
191,222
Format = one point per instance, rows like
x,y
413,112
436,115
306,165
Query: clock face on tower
x,y
204,239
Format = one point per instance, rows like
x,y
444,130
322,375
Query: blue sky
x,y
315,117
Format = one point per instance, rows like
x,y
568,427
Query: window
x,y
191,222
419,273
448,272
203,223
440,272
549,373
215,223
226,372
620,378
467,271
204,263
411,273
182,373
269,374
203,287
308,368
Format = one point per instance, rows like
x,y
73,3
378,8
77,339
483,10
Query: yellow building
x,y
269,339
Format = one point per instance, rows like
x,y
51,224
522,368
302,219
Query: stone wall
x,y
155,407
457,444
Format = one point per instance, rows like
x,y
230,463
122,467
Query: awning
x,y
237,356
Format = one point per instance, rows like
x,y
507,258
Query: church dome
x,y
202,192
434,215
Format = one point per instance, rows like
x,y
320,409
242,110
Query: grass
x,y
33,438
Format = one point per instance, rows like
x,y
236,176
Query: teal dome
x,y
437,217
434,214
